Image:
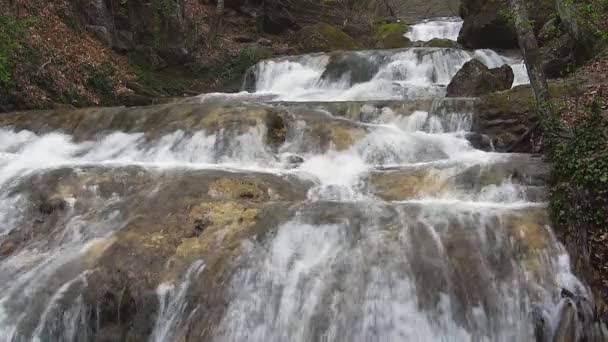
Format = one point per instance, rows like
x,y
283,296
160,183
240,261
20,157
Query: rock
x,y
7,248
475,79
52,205
484,27
323,37
558,58
354,67
242,39
573,25
101,32
264,42
485,24
292,161
141,25
480,141
442,43
505,116
393,40
410,183
360,33
164,221
549,31
391,36
278,22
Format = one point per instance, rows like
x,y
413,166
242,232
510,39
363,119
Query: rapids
x,y
377,226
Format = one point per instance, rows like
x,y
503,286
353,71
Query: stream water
x,y
468,256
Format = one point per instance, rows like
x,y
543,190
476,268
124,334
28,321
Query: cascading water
x,y
404,231
442,28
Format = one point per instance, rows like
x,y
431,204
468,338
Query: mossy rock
x,y
443,43
324,37
393,40
391,36
385,29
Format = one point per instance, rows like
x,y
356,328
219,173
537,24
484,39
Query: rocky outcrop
x,y
156,28
167,221
393,40
563,49
323,37
576,26
510,120
486,22
475,79
411,183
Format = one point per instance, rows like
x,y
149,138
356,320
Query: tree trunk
x,y
219,14
532,57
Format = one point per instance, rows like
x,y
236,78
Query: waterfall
x,y
442,28
371,75
342,200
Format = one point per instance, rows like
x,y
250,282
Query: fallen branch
x,y
523,137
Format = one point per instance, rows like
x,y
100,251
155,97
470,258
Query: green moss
x,y
383,30
393,40
443,43
325,37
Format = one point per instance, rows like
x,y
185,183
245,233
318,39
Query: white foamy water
x,y
389,75
468,256
173,302
442,28
392,279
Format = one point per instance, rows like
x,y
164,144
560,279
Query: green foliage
x,y
12,34
589,14
581,169
235,65
583,157
101,81
156,82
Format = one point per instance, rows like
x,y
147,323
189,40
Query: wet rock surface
x,y
236,218
475,79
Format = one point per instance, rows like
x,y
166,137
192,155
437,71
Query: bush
x,y
581,162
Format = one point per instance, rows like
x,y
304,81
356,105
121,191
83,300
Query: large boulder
x,y
559,56
475,79
487,25
323,37
561,51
